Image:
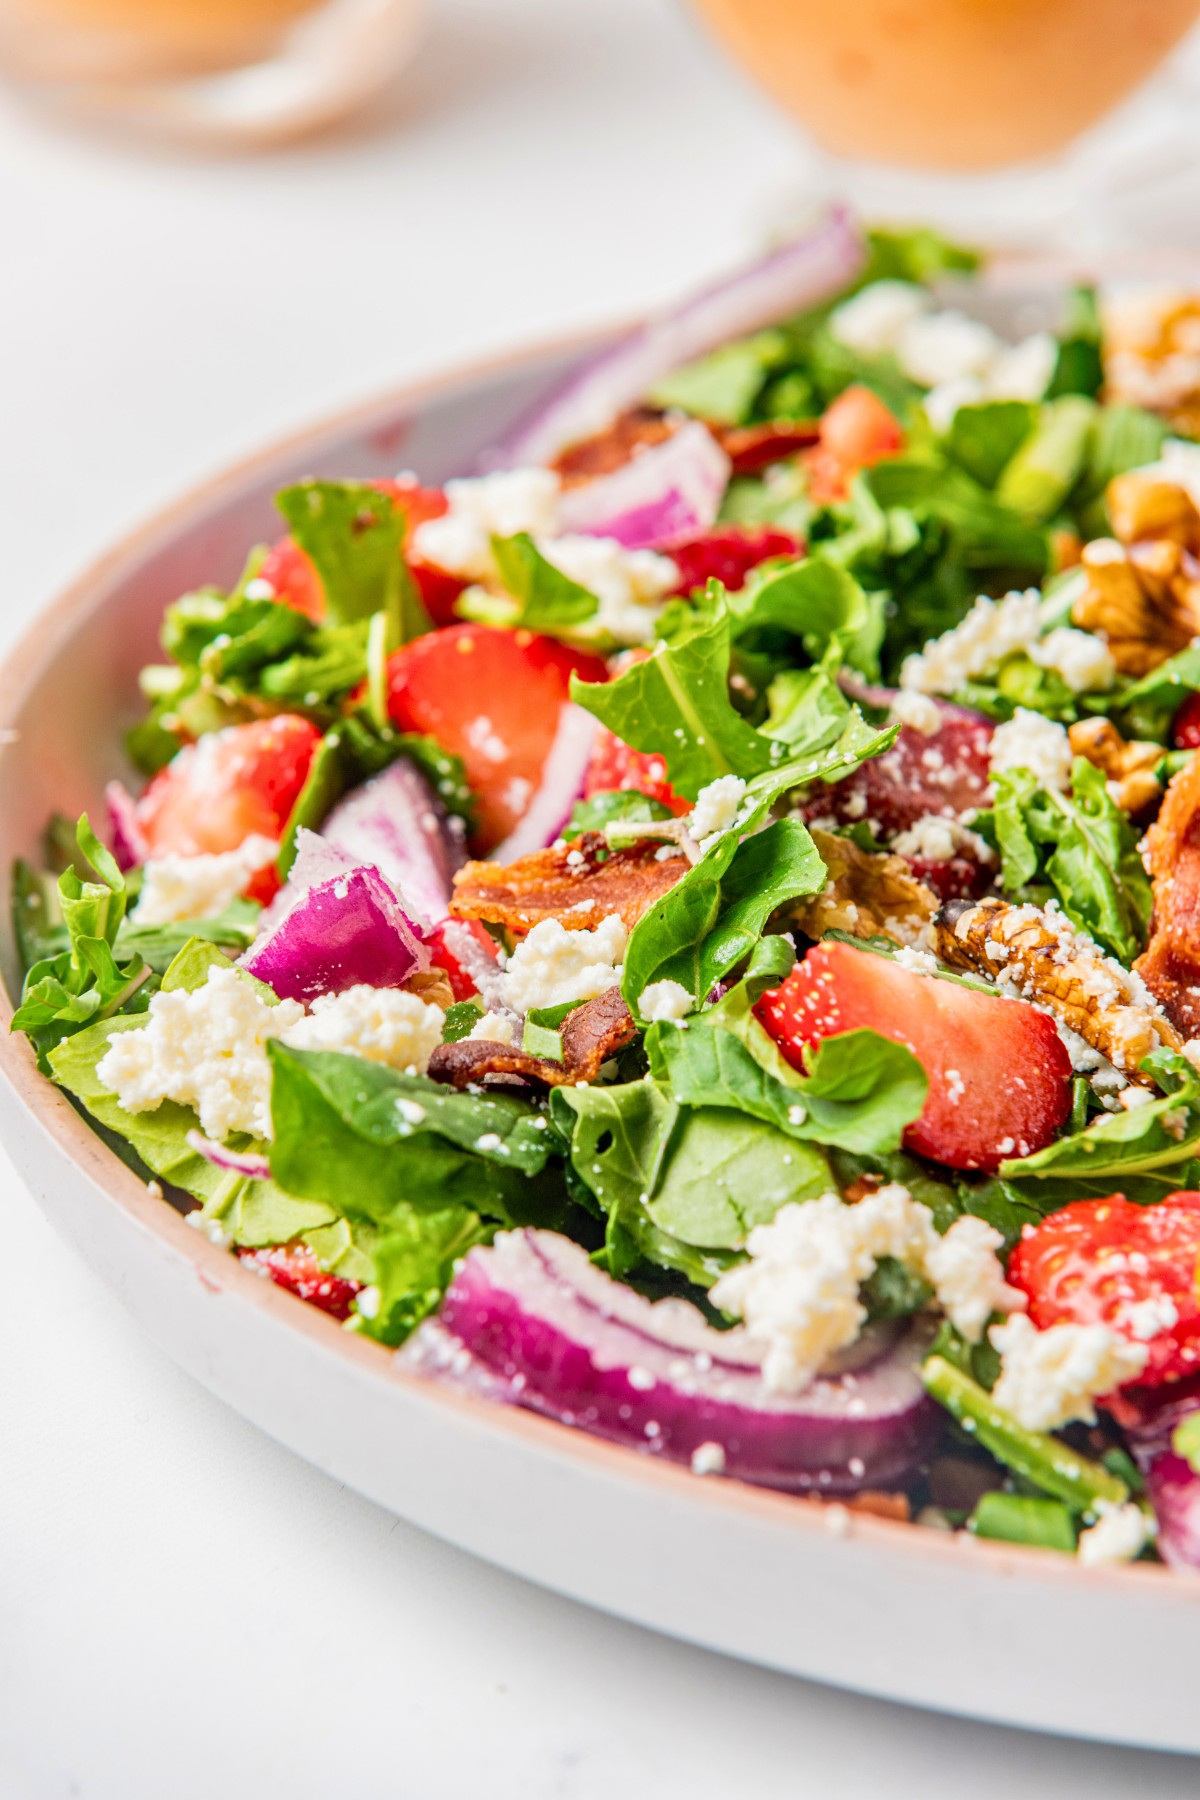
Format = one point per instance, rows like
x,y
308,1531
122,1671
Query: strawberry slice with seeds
x,y
294,1267
943,773
729,555
617,768
999,1078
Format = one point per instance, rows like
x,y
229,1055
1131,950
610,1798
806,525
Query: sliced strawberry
x,y
945,774
289,571
228,786
493,697
1130,1267
616,768
729,554
294,1267
962,878
1186,729
999,1078
462,984
857,431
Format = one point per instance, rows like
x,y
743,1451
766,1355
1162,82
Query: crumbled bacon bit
x,y
590,1035
580,884
1170,966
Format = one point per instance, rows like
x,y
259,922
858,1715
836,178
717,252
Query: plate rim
x,y
26,660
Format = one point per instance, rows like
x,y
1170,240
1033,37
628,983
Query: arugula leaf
x,y
983,439
547,599
1163,1134
806,708
1147,707
412,1263
819,602
703,927
368,1140
676,704
1048,464
987,533
1080,365
354,535
1084,846
609,808
859,1094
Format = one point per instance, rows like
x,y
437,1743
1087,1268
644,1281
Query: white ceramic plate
x,y
1020,1636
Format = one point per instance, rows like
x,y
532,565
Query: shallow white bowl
x,y
1020,1636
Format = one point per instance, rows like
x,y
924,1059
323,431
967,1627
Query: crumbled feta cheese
x,y
552,965
1048,1378
664,1000
716,808
798,1293
383,1025
1146,1318
1030,741
203,1049
366,1302
1119,1534
968,1276
873,320
916,710
942,402
199,887
946,346
1022,371
921,962
1083,660
630,585
991,631
708,1458
500,505
494,1028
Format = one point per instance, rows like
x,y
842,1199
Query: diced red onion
x,y
562,783
248,1163
128,839
661,496
531,1320
339,933
798,275
396,823
1173,1489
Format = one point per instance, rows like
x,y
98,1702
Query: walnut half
x,y
1143,599
1128,763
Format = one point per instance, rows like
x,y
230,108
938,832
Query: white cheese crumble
x,y
1083,660
203,1049
946,346
1030,741
1119,1534
798,1293
553,965
994,630
630,585
937,840
708,1459
716,809
199,887
383,1025
500,505
664,1000
873,320
1048,1378
916,710
494,1028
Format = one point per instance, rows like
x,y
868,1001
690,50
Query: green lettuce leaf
x,y
820,603
354,536
1112,1147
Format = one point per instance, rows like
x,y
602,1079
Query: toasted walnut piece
x,y
1144,601
869,893
580,884
1152,356
431,985
1170,966
1143,505
1036,952
1128,763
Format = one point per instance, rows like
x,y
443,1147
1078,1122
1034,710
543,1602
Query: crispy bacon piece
x,y
590,1035
1170,966
748,447
579,884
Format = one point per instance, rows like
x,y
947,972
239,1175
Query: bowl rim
x,y
218,1270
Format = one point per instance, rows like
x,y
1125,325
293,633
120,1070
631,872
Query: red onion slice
x,y
248,1163
128,839
341,933
1173,1489
396,823
532,1321
562,783
798,275
662,496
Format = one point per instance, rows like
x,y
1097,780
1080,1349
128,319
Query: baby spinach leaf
x,y
547,599
983,439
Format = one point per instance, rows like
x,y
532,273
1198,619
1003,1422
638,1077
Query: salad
x,y
693,927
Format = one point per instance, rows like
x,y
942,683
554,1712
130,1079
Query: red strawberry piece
x,y
999,1078
289,571
493,697
945,774
228,786
462,983
294,1267
857,431
616,768
1186,729
728,555
962,878
1133,1268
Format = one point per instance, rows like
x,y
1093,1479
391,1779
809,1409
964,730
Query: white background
x,y
185,1609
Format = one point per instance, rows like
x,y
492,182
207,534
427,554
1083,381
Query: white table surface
x,y
186,1610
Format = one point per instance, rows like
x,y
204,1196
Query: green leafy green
x,y
1037,480
983,439
818,602
1083,846
1163,1134
537,594
1080,365
1185,1441
725,384
354,536
1024,1519
613,807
